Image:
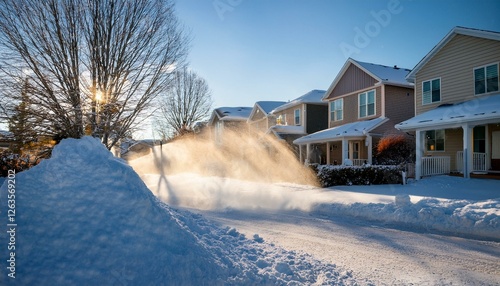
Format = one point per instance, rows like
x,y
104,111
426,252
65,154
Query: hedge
x,y
330,175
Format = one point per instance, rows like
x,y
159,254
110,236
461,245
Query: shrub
x,y
329,175
395,149
13,161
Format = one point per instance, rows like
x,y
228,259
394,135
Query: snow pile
x,y
459,217
85,217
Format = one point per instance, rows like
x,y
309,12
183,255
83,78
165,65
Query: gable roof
x,y
265,107
353,129
455,31
383,74
230,114
480,109
315,96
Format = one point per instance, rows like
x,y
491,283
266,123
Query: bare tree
x,y
95,66
188,101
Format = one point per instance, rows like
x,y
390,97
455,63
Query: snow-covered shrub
x,y
395,149
329,175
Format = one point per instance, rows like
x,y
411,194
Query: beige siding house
x,y
304,115
457,105
232,118
365,102
261,118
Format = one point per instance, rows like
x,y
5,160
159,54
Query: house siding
x,y
353,79
454,64
351,110
317,118
399,106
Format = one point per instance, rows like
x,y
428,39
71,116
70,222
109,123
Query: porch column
x,y
468,164
301,158
308,150
345,150
328,153
369,145
418,152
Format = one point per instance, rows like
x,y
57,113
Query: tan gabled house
x,y
365,100
457,105
261,118
228,118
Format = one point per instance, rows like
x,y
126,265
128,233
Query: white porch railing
x,y
359,162
478,162
435,165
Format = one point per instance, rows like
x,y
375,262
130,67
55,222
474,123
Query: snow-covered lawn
x,y
465,207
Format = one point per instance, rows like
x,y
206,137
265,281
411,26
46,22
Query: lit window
x,y
434,140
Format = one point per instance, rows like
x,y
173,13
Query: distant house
x,y
457,105
233,118
365,100
6,138
301,116
261,118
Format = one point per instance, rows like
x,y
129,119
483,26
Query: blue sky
x,y
252,50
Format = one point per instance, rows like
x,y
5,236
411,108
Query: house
x,y
261,118
304,115
365,101
232,118
457,105
6,138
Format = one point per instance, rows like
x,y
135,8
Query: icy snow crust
x,y
84,217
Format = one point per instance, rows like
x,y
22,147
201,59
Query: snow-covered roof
x,y
265,106
230,114
480,109
268,106
5,133
313,97
386,74
354,129
383,74
455,31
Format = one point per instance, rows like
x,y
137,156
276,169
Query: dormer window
x,y
486,79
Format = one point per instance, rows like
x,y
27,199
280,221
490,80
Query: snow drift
x,y
85,217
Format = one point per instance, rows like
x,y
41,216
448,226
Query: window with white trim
x,y
297,116
366,103
434,140
337,110
431,91
486,79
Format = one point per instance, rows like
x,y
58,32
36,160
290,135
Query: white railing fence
x,y
478,161
359,162
438,165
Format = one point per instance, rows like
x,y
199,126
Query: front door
x,y
495,150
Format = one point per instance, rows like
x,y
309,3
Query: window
x,y
431,91
486,79
434,140
297,116
336,110
367,103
